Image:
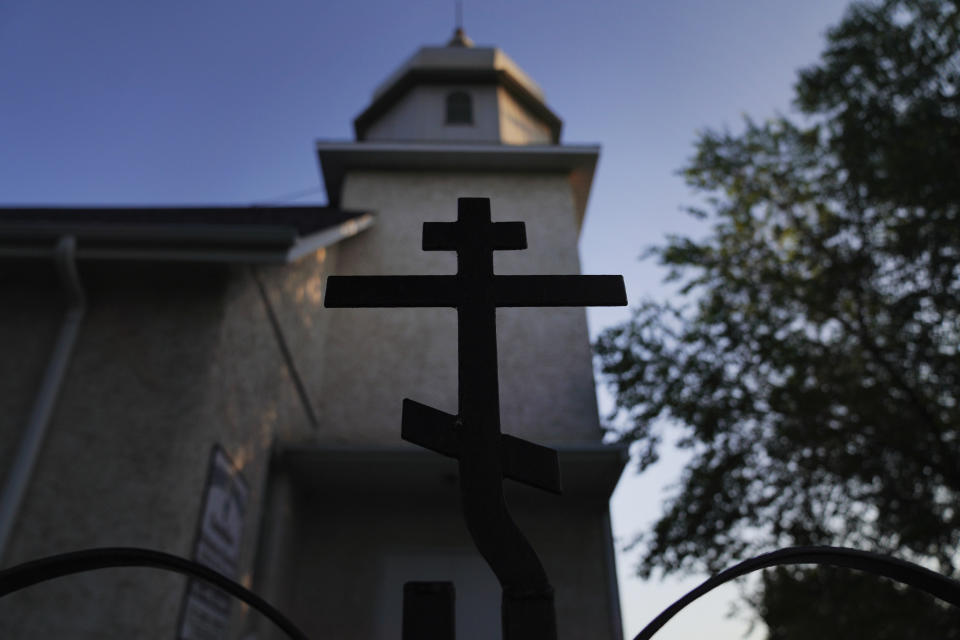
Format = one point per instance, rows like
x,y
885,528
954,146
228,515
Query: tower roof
x,y
459,61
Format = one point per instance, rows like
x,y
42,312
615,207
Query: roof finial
x,y
460,38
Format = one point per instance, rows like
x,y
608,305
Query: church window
x,y
459,108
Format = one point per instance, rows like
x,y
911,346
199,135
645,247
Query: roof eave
x,y
249,243
578,162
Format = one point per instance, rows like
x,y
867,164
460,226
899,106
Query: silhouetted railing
x,y
907,573
34,572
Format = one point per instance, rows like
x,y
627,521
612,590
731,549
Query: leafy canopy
x,y
811,363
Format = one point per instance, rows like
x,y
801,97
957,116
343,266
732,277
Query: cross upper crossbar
x,y
448,236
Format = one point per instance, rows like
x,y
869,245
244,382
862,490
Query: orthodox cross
x,y
473,436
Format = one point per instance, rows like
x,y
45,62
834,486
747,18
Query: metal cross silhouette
x,y
473,436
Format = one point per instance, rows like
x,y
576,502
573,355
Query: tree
x,y
811,363
844,604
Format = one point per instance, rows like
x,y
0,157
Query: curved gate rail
x,y
913,575
36,571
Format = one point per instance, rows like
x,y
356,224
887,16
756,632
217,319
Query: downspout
x,y
18,478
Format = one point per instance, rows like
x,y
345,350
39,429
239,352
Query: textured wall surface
x,y
170,361
376,357
295,295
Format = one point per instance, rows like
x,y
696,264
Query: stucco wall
x,y
170,360
376,357
295,295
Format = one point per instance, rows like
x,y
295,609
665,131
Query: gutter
x,y
18,478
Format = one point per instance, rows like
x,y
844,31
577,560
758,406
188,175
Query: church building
x,y
172,380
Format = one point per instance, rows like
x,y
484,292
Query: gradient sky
x,y
217,102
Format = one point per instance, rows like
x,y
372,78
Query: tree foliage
x,y
837,603
811,363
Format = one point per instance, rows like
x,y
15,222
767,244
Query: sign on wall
x,y
205,614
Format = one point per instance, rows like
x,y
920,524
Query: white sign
x,y
206,609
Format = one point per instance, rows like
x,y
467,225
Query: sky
x,y
217,102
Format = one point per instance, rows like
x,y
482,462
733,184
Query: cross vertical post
x,y
473,436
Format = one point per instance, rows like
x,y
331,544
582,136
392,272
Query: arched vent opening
x,y
459,108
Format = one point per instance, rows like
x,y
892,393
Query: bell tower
x,y
459,93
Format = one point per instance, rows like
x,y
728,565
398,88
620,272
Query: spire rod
x,y
459,38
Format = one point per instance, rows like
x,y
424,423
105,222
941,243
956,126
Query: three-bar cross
x,y
473,436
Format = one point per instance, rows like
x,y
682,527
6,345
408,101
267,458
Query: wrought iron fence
x,y
52,567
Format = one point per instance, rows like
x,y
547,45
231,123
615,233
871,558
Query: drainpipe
x,y
18,478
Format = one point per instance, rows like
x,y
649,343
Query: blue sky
x,y
215,102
